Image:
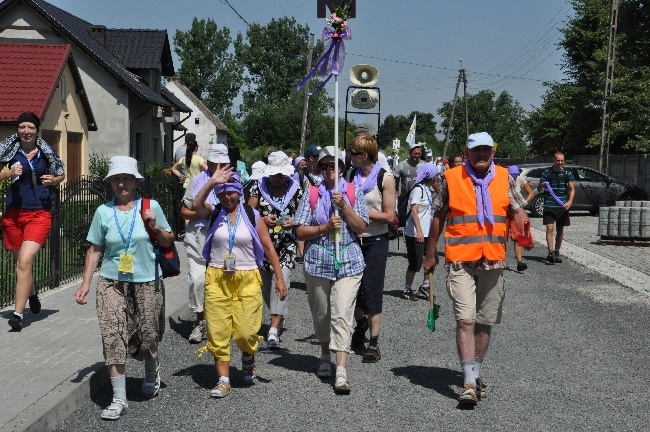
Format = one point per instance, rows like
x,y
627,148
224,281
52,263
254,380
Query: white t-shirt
x,y
420,195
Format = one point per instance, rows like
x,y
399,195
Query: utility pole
x,y
305,98
603,160
461,73
465,97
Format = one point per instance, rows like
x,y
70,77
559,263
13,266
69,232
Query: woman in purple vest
x,y
234,250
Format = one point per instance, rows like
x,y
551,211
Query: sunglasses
x,y
324,166
356,153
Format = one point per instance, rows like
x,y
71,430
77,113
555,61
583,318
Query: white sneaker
x,y
273,341
341,385
198,334
115,410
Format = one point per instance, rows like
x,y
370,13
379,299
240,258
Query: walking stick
x,y
434,309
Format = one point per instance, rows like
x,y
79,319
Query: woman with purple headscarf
x,y
416,231
234,250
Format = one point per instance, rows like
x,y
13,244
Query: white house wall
x,y
206,132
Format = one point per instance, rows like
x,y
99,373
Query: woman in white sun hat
x,y
257,172
130,302
276,196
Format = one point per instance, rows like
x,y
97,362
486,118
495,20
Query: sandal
x,y
372,355
115,410
249,369
324,370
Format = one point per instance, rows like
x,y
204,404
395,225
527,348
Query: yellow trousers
x,y
233,309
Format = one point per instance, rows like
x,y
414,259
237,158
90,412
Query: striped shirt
x,y
319,252
517,202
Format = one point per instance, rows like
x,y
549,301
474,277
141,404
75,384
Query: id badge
x,y
33,178
277,229
229,263
332,235
126,263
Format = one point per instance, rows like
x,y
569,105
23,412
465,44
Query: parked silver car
x,y
593,188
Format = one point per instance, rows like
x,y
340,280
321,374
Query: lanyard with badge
x,y
38,155
229,260
126,259
283,219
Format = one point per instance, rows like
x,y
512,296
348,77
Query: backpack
x,y
167,257
403,206
313,195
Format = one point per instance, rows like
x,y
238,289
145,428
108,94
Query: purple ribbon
x,y
371,180
552,194
332,59
483,200
324,207
292,187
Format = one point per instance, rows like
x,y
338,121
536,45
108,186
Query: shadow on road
x,y
181,327
296,362
438,379
29,317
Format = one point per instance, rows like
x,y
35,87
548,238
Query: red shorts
x,y
19,225
514,232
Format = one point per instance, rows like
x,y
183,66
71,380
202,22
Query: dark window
x,y
535,173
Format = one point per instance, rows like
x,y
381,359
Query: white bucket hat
x,y
257,170
123,165
279,163
218,153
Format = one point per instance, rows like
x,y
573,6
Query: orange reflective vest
x,y
465,239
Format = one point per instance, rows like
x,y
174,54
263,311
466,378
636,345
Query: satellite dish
x,y
364,75
364,98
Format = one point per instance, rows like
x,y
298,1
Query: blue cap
x,y
479,139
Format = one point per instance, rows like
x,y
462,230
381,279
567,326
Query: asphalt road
x,y
571,354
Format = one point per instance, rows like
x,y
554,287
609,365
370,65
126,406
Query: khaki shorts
x,y
477,294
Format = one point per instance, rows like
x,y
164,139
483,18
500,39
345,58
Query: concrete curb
x,y
71,394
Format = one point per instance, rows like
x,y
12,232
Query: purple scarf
x,y
288,195
552,194
324,206
371,181
257,244
483,200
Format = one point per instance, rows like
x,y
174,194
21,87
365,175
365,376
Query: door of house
x,y
73,164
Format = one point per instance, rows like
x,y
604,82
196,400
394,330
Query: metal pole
x,y
609,82
465,97
337,233
451,119
305,98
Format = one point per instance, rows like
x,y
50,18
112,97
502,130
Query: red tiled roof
x,y
29,75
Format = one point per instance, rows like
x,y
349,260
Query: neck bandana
x,y
370,182
324,207
483,200
265,190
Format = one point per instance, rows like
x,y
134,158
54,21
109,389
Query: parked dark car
x,y
593,188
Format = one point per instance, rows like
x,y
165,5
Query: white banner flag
x,y
410,138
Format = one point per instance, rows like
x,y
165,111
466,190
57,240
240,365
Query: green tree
x,y
398,127
208,68
570,115
275,56
502,117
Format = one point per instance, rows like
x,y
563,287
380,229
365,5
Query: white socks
x,y
478,362
224,379
119,387
469,370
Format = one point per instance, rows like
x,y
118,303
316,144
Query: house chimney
x,y
98,32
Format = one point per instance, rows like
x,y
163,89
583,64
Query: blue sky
x,y
506,45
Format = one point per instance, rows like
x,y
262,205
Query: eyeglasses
x,y
356,153
324,166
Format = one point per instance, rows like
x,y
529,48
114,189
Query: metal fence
x,y
63,258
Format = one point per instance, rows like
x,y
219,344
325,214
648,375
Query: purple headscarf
x,y
297,160
426,171
232,185
513,170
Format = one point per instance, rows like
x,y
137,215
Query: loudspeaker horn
x,y
364,74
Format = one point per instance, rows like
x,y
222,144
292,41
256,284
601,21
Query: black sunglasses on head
x,y
356,153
